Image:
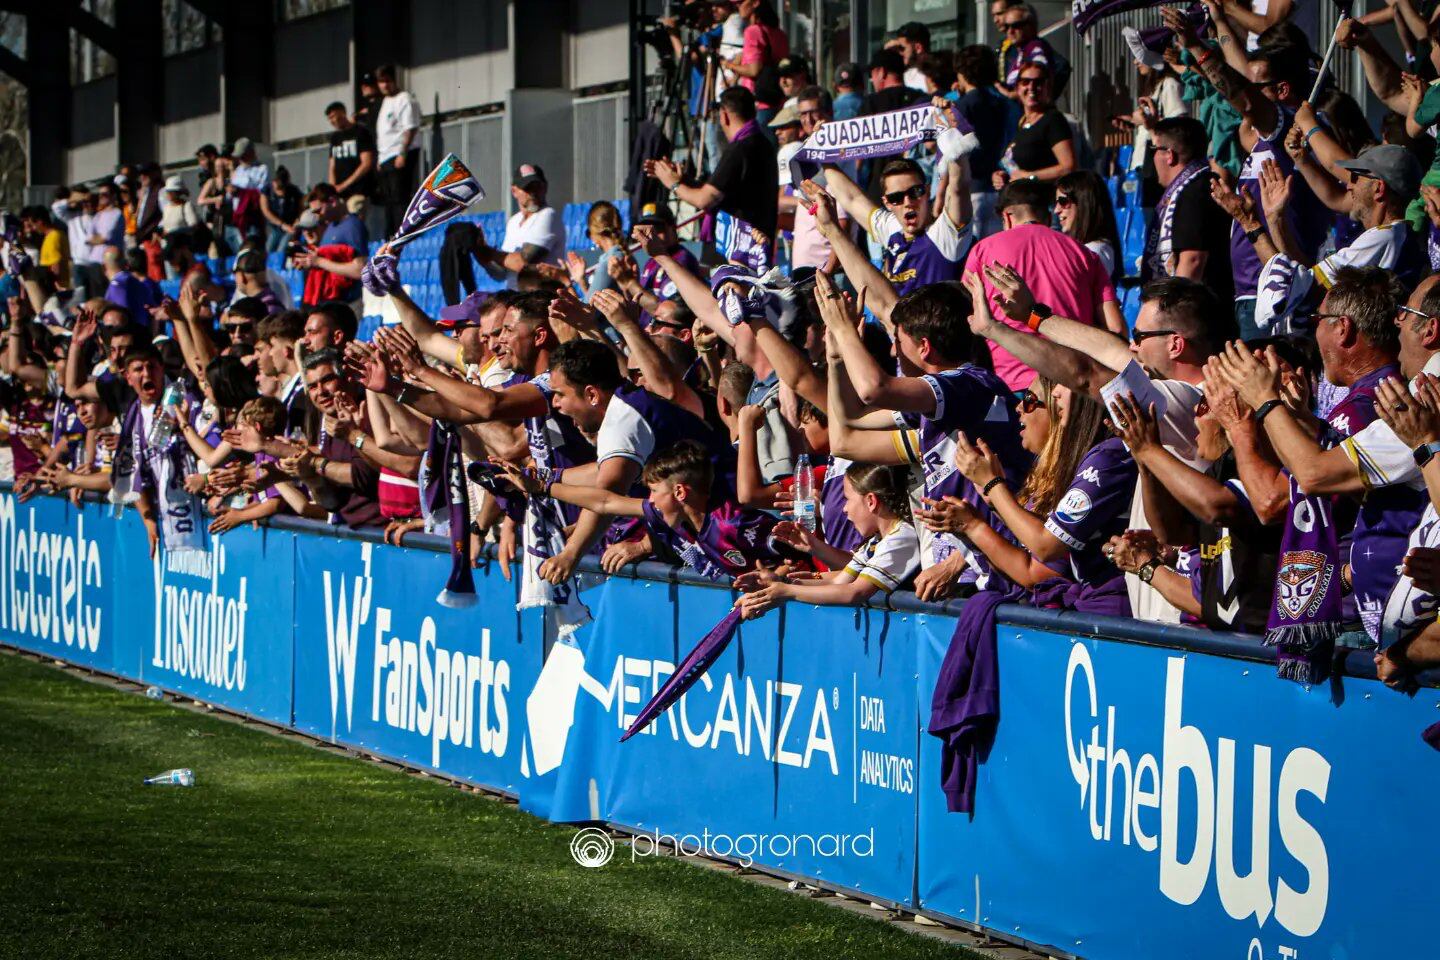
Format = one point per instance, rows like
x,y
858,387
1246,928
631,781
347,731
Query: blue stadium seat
x,y
1132,241
623,205
170,287
276,260
368,326
1123,156
1130,305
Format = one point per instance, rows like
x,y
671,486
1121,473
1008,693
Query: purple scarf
x,y
965,707
1159,243
1306,612
446,488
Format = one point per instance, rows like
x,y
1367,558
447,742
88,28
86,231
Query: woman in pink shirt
x,y
764,47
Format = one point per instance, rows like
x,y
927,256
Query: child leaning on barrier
x,y
877,502
714,536
259,421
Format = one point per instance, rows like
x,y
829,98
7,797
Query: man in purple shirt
x,y
655,284
125,289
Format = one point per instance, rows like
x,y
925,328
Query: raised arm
x,y
661,377
430,338
1045,354
875,386
879,294
1247,99
844,411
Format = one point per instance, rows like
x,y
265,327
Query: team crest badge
x,y
1302,582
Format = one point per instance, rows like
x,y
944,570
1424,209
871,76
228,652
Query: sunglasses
x,y
1030,81
1029,403
1013,24
1138,337
897,197
1064,200
1202,407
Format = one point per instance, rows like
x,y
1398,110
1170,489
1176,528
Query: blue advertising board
x,y
795,751
380,666
1140,800
57,585
1144,802
219,623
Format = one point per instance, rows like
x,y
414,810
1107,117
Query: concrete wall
x,y
458,54
598,42
190,114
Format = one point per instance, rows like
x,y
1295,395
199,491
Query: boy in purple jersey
x,y
936,395
922,245
718,540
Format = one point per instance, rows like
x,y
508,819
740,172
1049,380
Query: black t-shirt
x,y
984,110
749,177
1200,224
1034,146
345,149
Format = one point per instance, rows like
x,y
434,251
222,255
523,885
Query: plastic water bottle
x,y
805,507
172,778
154,693
162,428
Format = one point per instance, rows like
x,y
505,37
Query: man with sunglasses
x,y
920,245
1024,45
1189,235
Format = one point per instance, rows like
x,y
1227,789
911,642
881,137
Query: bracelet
x,y
400,394
1256,234
1204,58
1265,409
1311,132
990,485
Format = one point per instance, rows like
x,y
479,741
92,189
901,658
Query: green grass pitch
x,y
282,850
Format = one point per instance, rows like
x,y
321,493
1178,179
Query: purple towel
x,y
965,708
1109,598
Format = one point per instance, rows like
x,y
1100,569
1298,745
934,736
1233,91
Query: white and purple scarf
x,y
545,538
446,489
136,467
861,138
1160,243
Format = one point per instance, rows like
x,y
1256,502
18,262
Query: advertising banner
x,y
797,753
379,665
1144,802
56,572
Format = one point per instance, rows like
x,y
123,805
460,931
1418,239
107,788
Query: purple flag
x,y
692,668
444,195
1084,14
1147,46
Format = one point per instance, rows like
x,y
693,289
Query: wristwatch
x,y
359,443
1039,313
1424,453
1253,235
1146,573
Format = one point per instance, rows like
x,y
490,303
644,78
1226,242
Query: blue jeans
x,y
276,239
1245,319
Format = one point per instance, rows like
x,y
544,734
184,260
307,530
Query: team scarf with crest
x,y
179,511
1306,612
446,489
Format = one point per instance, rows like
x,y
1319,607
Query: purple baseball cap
x,y
466,313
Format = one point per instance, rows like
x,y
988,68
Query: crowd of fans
x,y
911,372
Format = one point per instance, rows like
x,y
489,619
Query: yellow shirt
x,y
55,252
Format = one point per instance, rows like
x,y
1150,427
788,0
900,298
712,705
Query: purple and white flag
x,y
1084,14
447,490
444,195
687,671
